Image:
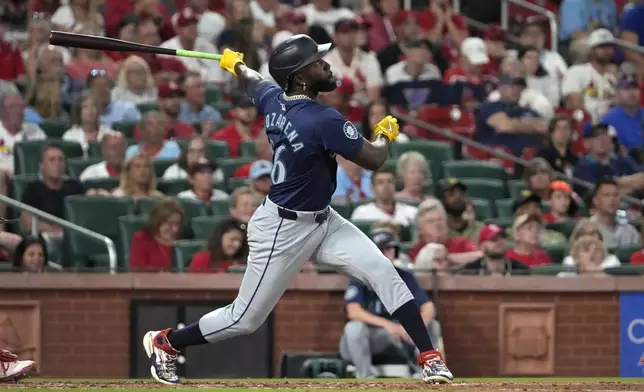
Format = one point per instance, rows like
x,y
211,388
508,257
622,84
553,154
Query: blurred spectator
x,y
353,183
138,180
211,23
170,98
371,330
538,176
100,87
8,246
505,123
385,207
14,13
226,247
557,151
587,229
191,154
49,191
346,59
247,36
469,66
443,25
601,161
373,113
294,22
578,19
530,97
78,15
262,152
12,67
632,30
113,152
453,195
236,10
495,260
14,129
38,32
263,11
418,66
151,248
432,226
605,203
201,182
537,76
324,14
533,34
340,98
527,231
85,60
127,28
638,257
562,204
188,39
591,86
529,203
242,204
134,82
152,141
382,14
194,108
628,116
412,170
30,255
588,254
143,9
260,177
243,128
432,257
86,125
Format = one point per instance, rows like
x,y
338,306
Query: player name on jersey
x,y
279,121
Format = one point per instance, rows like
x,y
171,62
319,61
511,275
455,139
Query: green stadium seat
x,y
565,227
479,188
213,94
204,226
364,226
552,270
502,222
624,253
556,252
220,207
364,201
173,187
483,209
108,183
76,166
474,169
182,252
434,151
222,107
344,209
628,269
161,165
390,164
147,107
234,183
229,165
247,149
217,149
515,187
55,129
26,154
126,128
99,214
504,208
94,150
18,185
128,225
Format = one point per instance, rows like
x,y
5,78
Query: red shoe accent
x,y
7,356
161,342
427,355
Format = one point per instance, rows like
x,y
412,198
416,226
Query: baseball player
x,y
294,223
13,369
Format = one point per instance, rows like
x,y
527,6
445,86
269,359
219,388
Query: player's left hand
x,y
388,127
230,59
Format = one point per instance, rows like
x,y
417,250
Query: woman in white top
x,y
77,15
38,32
589,254
584,229
413,170
87,126
537,77
195,149
137,179
134,82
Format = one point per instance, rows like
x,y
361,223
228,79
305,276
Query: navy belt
x,y
320,217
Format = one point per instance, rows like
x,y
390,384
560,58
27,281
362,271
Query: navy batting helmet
x,y
292,55
383,237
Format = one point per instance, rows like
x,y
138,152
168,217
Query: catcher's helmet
x,y
383,237
292,55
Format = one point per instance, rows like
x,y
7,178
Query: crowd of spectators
x,y
121,126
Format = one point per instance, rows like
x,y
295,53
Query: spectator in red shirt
x,y
562,204
526,231
444,27
469,66
170,96
243,128
151,248
529,203
638,257
495,43
11,66
226,247
115,9
432,227
382,16
262,152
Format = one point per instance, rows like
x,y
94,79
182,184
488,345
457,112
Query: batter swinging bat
x,y
95,42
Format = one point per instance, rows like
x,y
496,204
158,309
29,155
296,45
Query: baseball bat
x,y
96,42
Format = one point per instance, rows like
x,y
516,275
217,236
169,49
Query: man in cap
x,y
211,23
527,232
243,128
170,96
371,330
260,177
469,67
201,182
492,241
591,86
533,34
627,117
578,19
453,195
529,203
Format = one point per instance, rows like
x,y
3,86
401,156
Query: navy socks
x,y
409,317
187,336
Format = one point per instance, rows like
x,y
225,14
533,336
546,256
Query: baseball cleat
x,y
12,369
434,369
163,358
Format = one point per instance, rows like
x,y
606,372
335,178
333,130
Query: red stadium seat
x,y
453,118
579,118
475,153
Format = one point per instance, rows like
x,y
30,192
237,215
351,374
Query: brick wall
x,y
86,332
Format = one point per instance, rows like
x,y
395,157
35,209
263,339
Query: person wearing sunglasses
x,y
100,89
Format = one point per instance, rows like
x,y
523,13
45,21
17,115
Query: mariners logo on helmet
x,y
350,131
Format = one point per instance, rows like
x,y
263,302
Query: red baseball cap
x,y
170,90
493,32
404,16
490,232
187,17
296,16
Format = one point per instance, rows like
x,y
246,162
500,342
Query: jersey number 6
x,y
278,174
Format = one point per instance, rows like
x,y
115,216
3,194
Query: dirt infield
x,y
336,385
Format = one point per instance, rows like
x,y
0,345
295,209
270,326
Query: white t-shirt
x,y
7,141
597,90
210,26
326,19
208,69
95,171
65,17
397,74
122,94
364,71
610,261
532,99
263,17
76,134
404,214
216,195
176,172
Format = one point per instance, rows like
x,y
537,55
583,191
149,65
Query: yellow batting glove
x,y
230,59
388,127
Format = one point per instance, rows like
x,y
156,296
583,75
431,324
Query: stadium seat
x,y
173,187
213,94
192,209
434,152
18,185
217,149
161,165
234,183
483,209
624,253
484,189
474,169
515,187
108,183
229,165
76,166
55,129
556,252
565,227
99,214
503,223
627,269
128,225
204,226
552,270
344,209
504,208
390,164
147,107
220,207
364,226
222,106
451,117
94,150
182,252
247,149
26,158
126,128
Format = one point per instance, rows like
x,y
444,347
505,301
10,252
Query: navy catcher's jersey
x,y
305,137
